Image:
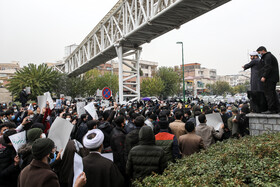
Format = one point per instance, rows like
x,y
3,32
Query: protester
x,y
168,142
117,143
132,138
103,172
255,65
178,127
207,133
270,77
190,143
146,157
9,162
39,173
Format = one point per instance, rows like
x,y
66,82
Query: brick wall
x,y
263,123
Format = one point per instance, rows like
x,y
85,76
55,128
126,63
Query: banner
x,y
28,90
60,133
18,140
90,108
80,108
214,120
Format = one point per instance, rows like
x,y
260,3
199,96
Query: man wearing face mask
x,y
38,172
270,77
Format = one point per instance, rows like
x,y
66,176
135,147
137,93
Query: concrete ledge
x,y
263,123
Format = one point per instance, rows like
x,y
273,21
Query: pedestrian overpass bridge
x,y
128,25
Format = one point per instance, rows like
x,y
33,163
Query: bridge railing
x,y
124,18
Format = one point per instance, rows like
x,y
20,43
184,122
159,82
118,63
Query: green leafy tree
x,y
95,80
171,81
152,86
219,88
39,78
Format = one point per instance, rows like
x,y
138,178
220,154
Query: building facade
x,y
7,71
197,77
241,78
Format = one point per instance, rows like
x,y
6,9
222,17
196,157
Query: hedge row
x,y
250,161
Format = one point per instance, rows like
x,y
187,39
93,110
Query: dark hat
x,y
38,125
163,124
34,134
42,147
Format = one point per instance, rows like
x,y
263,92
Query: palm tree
x,y
39,78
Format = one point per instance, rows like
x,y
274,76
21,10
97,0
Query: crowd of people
x,y
142,136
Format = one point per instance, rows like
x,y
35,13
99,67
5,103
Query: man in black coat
x,y
117,142
102,171
255,82
23,97
270,77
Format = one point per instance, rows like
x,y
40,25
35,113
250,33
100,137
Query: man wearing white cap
x,y
256,84
102,171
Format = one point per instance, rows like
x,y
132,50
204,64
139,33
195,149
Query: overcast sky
x,y
37,31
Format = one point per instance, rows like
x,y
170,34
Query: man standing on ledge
x,y
270,77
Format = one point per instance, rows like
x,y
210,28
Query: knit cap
x,y
42,147
34,134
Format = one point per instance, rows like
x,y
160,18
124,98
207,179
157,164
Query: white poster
x,y
90,108
28,90
60,133
214,120
42,101
18,140
105,103
108,156
99,93
49,99
80,108
78,167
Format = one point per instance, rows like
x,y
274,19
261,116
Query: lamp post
x,y
183,69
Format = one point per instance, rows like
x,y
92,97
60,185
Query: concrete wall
x,y
5,96
263,123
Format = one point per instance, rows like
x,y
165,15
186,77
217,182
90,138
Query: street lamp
x,y
183,69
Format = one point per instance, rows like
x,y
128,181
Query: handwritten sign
x,y
18,140
49,99
80,108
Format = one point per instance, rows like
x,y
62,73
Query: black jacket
x,y
117,141
255,82
101,172
8,171
270,67
146,157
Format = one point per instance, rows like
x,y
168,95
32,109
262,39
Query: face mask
x,y
70,111
13,117
68,119
43,135
15,108
229,111
239,108
31,116
260,55
5,119
201,107
35,106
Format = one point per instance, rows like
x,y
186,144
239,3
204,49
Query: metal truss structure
x,y
129,24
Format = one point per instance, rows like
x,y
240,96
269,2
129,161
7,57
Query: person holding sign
x,y
9,162
38,172
208,133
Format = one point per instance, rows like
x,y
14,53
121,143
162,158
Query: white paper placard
x,y
28,90
78,167
90,108
42,101
108,155
214,120
80,108
60,133
18,140
49,99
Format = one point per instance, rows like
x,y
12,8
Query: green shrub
x,y
250,161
